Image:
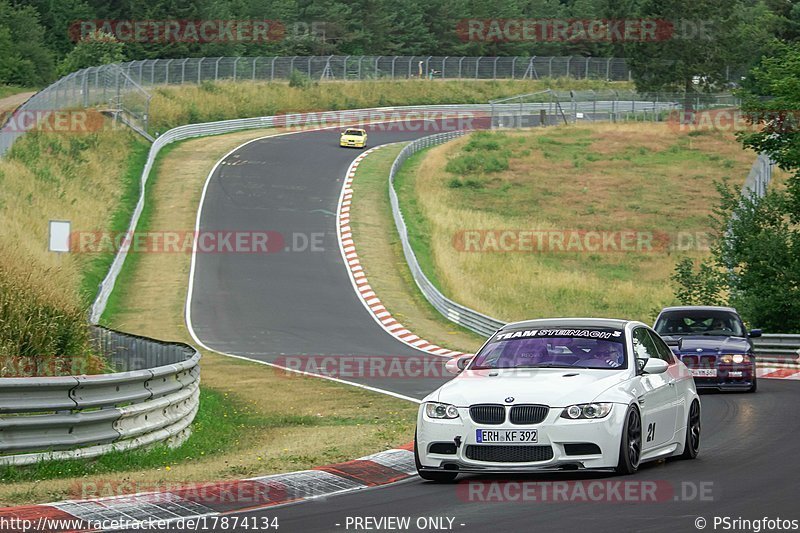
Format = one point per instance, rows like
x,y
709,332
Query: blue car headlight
x,y
441,410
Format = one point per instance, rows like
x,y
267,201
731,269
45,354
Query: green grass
x,y
220,426
123,284
417,224
644,178
96,269
8,90
381,254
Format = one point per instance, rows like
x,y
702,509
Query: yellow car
x,y
353,138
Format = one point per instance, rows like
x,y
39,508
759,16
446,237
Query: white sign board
x,y
59,236
578,115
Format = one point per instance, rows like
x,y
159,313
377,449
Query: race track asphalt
x,y
267,306
273,307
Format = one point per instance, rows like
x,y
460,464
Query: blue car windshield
x,y
579,348
700,322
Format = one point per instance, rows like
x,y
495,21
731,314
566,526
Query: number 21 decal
x,y
651,432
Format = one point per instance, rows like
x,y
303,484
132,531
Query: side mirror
x,y
655,365
457,364
754,333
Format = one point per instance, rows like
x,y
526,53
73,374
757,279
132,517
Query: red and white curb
x,y
210,499
359,278
772,371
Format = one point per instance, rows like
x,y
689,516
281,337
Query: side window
x,y
643,347
662,350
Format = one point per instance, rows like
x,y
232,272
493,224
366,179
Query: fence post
x,y
199,69
235,62
344,66
216,69
608,69
377,58
513,67
272,69
550,68
166,71
393,60
460,72
255,61
586,73
494,68
477,67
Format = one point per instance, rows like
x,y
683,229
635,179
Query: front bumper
x,y
554,432
352,144
730,376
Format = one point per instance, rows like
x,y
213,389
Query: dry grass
x,y
63,177
176,105
347,422
607,177
381,255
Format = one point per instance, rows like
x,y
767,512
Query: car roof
x,y
569,323
699,308
362,130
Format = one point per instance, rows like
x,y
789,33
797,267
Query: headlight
x,y
587,410
440,410
737,358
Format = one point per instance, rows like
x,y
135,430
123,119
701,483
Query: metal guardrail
x,y
455,312
778,344
153,398
770,347
299,120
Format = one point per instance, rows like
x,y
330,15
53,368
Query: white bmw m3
x,y
560,394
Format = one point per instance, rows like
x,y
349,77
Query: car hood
x,y
707,344
556,387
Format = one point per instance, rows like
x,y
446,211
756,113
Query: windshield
x,y
708,322
554,348
357,133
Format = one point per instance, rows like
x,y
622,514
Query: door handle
x,y
640,399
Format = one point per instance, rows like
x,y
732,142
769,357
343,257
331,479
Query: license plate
x,y
704,372
504,436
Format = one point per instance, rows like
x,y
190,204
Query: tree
x,y
24,58
702,41
93,50
756,258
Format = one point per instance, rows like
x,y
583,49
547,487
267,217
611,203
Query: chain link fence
x,y
120,89
199,69
553,107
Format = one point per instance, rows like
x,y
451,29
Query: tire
x,y
630,446
439,477
691,445
754,386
